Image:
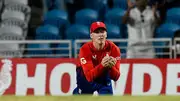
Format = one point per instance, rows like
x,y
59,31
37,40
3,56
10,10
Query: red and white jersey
x,y
90,60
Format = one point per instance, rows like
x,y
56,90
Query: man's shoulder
x,y
111,43
85,50
134,12
148,8
86,46
133,9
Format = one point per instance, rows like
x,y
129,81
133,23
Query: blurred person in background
x,y
161,8
72,7
36,16
141,21
176,46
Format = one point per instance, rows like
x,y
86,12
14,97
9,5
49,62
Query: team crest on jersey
x,y
94,57
83,60
98,23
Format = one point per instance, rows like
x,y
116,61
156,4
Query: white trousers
x,y
137,53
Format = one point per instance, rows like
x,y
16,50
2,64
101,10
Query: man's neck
x,y
99,46
141,8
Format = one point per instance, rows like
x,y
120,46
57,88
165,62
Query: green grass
x,y
90,98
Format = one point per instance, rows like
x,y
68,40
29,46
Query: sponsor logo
x,y
58,77
83,60
118,58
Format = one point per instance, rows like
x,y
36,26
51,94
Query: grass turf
x,y
90,98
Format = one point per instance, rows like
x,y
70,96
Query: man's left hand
x,y
112,62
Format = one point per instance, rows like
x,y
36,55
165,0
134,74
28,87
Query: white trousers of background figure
x,y
134,52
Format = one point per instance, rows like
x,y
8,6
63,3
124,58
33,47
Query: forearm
x,y
157,19
114,72
126,17
94,73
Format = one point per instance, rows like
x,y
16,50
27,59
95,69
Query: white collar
x,y
145,10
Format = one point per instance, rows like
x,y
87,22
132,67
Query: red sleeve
x,y
115,72
86,62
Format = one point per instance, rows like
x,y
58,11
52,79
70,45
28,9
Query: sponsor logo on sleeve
x,y
83,60
118,58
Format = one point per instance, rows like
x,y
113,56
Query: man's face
x,y
141,2
99,35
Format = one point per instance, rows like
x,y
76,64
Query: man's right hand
x,y
130,4
108,61
105,61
